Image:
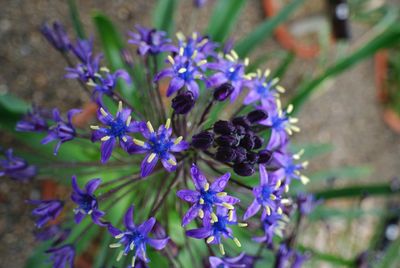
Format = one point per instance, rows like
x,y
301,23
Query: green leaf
x,y
265,29
326,257
163,17
113,46
284,65
12,104
75,18
342,172
357,191
312,150
38,257
224,18
392,256
388,38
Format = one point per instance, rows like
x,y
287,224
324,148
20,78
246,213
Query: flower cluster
x,y
150,166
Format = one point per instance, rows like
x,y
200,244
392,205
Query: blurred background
x,y
350,126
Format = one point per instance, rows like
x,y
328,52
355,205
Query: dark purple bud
x,y
244,169
203,140
256,116
227,140
222,92
252,157
223,127
241,154
247,142
183,102
242,121
225,154
258,142
264,156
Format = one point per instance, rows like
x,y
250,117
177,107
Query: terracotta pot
x,y
285,38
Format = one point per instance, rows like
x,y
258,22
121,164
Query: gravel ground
x,y
346,114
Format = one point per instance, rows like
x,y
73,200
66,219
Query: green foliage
x,y
164,13
265,29
75,18
224,17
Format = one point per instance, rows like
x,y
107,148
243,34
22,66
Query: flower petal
x,y
128,218
106,149
175,85
188,195
158,244
190,215
146,167
92,185
252,210
219,184
198,178
147,226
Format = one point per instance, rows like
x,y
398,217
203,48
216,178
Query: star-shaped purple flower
x,y
62,131
86,201
46,210
206,196
33,121
56,36
136,238
16,168
263,89
115,128
62,257
150,41
158,145
267,194
271,224
217,228
290,169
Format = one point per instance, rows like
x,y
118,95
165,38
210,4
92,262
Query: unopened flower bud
x,y
258,142
183,102
244,169
241,154
223,127
252,157
222,92
256,116
226,140
225,154
247,142
203,140
264,156
242,121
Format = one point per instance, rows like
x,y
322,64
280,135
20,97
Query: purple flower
x,y
217,228
62,131
16,168
62,256
229,70
271,224
115,128
159,145
206,196
286,256
86,72
33,121
267,195
52,232
56,36
135,238
241,261
289,168
46,211
183,72
83,49
86,201
196,47
199,3
263,89
306,203
106,84
150,41
280,123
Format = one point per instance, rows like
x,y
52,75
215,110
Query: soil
x,y
345,113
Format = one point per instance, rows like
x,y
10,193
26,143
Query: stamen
x,y
293,120
178,140
203,42
168,123
305,164
150,127
231,69
180,36
258,72
151,157
105,138
119,236
119,106
181,51
279,210
304,179
242,224
133,261
210,239
222,194
230,58
103,112
201,201
278,184
182,70
115,245
234,54
120,255
221,249
201,213
90,212
172,161
286,188
171,60
237,242
228,206
268,210
132,245
91,83
128,121
272,197
124,138
194,36
280,89
246,62
206,186
104,69
202,62
194,55
95,127
138,142
290,108
230,215
267,73
274,81
295,128
214,217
